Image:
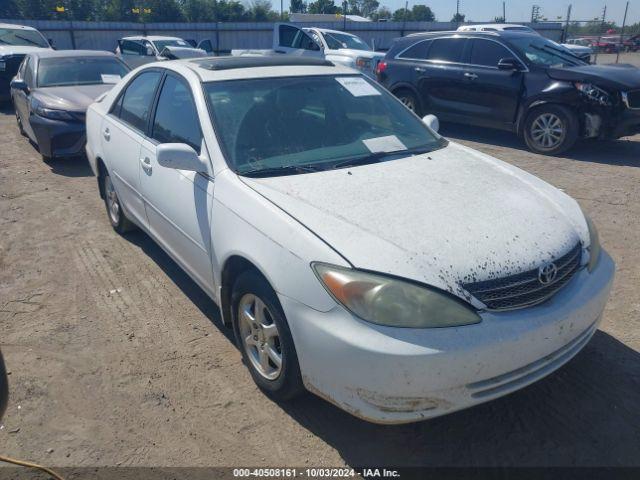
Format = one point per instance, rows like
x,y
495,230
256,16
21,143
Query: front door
x,y
292,40
491,95
178,202
123,131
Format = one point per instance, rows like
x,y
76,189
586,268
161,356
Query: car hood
x,y
444,218
75,98
349,52
18,49
174,53
621,76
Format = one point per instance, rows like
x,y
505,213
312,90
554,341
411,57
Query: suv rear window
x,y
417,51
447,49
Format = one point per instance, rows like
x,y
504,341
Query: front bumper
x,y
395,375
56,138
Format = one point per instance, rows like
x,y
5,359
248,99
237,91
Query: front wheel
x,y
263,337
117,217
550,129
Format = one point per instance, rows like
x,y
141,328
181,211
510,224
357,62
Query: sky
x,y
518,10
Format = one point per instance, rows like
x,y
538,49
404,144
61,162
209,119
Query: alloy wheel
x,y
408,102
113,203
547,131
260,337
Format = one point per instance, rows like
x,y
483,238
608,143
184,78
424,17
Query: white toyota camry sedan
x,y
355,252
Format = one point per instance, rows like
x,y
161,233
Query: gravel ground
x,y
117,358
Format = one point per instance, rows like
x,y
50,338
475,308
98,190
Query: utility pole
x,y
504,12
602,20
566,25
457,12
281,11
404,17
624,23
344,15
535,13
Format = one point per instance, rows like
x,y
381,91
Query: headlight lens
x,y
387,301
363,63
52,114
594,244
594,93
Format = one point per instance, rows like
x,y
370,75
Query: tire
x,y
117,217
261,338
550,129
409,100
19,122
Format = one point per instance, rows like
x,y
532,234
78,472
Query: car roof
x,y
151,38
452,33
19,27
211,69
497,26
46,53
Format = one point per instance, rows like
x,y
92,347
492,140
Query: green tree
x,y
199,10
422,13
261,11
9,9
458,18
230,11
323,6
297,6
498,19
383,13
401,15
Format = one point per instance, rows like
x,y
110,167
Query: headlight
x,y
363,63
594,245
594,93
51,113
387,301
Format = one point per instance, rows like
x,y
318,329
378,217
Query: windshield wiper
x,y
377,156
28,40
275,171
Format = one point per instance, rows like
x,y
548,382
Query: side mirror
x,y
509,64
432,122
51,42
19,84
180,156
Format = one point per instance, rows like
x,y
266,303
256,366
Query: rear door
x,y
178,202
440,77
490,95
123,130
292,40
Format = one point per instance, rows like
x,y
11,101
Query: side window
x,y
176,119
417,51
304,41
447,49
28,73
137,100
486,52
23,67
129,47
206,45
287,35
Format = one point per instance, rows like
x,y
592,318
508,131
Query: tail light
x,y
381,67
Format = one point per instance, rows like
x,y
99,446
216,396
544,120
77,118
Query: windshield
x,y
543,52
160,44
281,126
14,36
58,72
336,41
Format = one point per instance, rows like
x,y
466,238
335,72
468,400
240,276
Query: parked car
x,y
516,82
139,50
338,47
354,251
583,52
15,42
51,93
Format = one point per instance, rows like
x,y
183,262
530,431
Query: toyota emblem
x,y
547,273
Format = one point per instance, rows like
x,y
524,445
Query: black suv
x,y
513,81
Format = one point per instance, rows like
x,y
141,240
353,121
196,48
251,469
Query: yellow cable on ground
x,y
22,463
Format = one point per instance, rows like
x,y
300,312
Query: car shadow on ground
x,y
623,152
199,298
70,167
587,413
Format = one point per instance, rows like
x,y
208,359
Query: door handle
x,y
146,165
106,134
420,69
470,76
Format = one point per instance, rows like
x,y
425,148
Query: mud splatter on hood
x,y
451,216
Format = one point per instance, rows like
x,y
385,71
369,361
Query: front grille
x,y
632,99
525,289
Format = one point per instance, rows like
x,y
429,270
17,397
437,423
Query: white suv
x,y
354,251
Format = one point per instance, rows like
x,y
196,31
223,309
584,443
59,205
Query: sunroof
x,y
229,63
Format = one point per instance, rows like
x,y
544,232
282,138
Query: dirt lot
x,y
117,358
